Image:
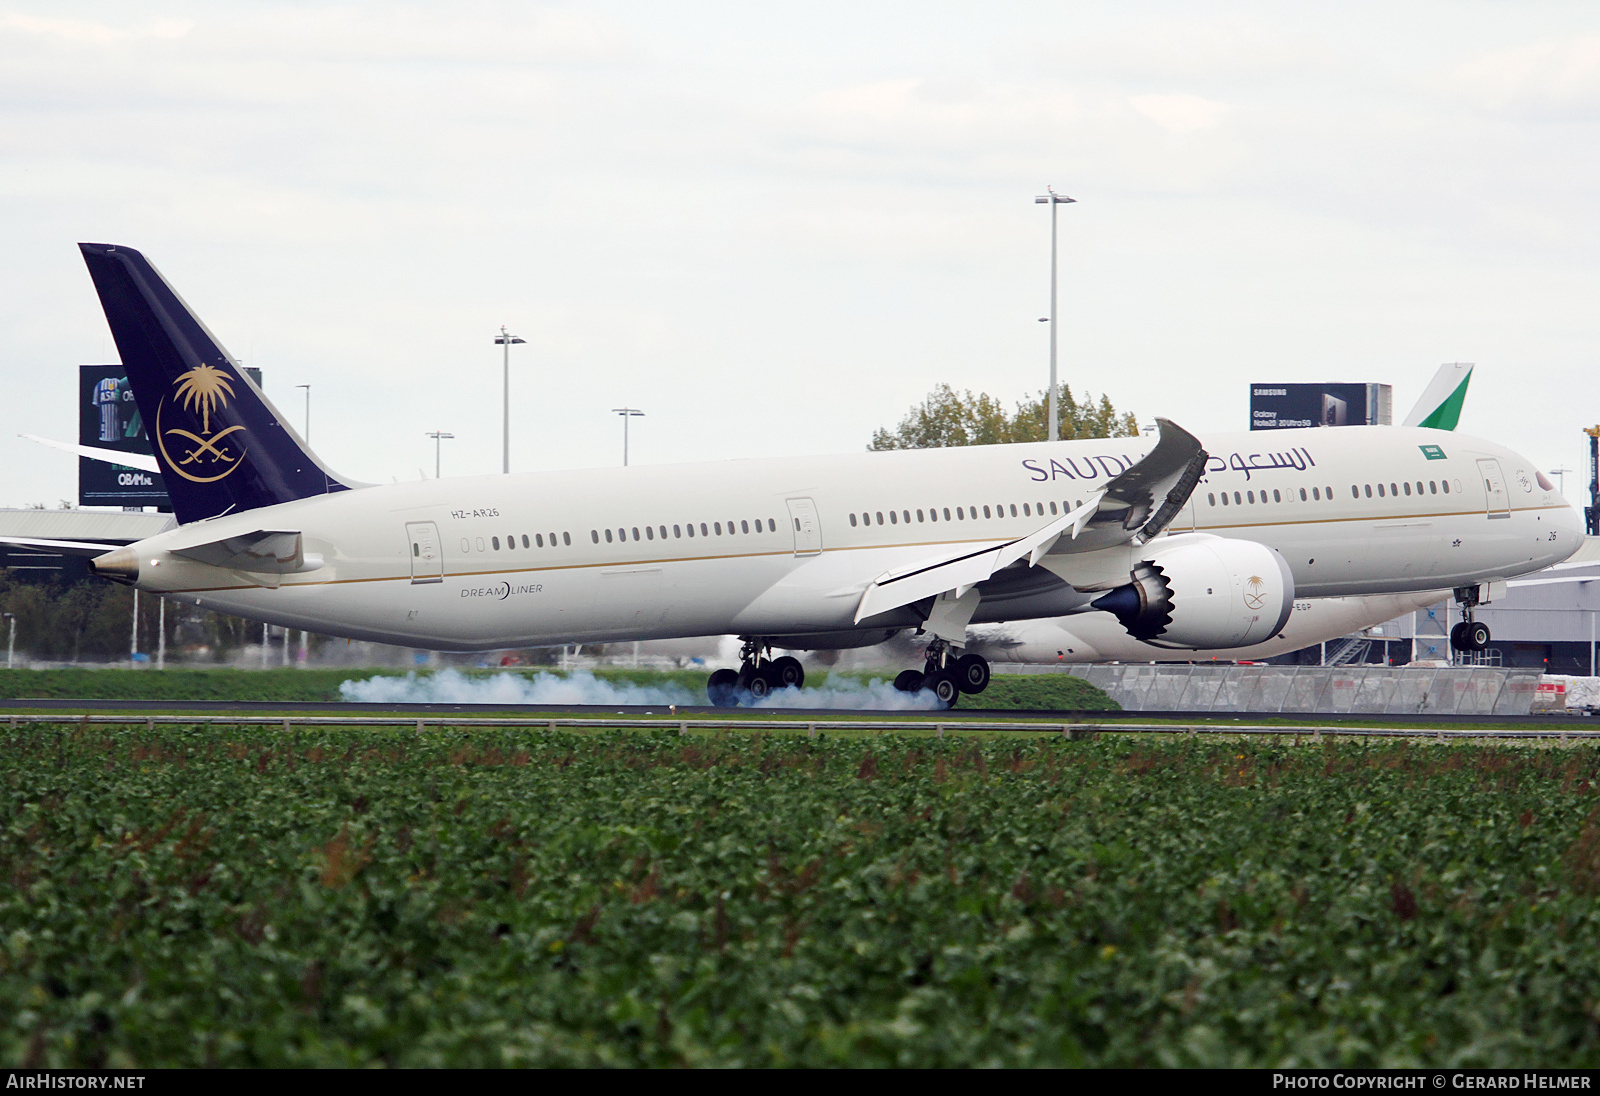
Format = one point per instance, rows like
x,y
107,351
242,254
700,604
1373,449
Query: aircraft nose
x,y
1570,529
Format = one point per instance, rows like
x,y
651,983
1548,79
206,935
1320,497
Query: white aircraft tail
x,y
1440,404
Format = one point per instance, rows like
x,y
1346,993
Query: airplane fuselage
x,y
785,546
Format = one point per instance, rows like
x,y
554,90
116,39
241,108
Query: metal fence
x,y
938,724
1327,689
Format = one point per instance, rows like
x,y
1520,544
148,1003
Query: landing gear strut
x,y
945,674
757,676
1469,634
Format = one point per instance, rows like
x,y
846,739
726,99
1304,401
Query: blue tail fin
x,y
221,444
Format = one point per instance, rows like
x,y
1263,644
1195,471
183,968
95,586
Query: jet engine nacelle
x,y
1204,592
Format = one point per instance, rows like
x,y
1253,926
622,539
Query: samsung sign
x,y
1294,406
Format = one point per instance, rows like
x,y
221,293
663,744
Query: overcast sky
x,y
775,227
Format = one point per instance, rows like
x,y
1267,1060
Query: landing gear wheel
x,y
788,673
909,681
757,681
721,688
943,685
1476,634
972,673
1458,639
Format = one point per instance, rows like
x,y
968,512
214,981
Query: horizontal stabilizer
x,y
144,462
60,547
266,551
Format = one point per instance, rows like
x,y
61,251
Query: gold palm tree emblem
x,y
203,388
1254,595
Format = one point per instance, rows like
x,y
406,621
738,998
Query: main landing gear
x,y
946,675
757,676
1469,635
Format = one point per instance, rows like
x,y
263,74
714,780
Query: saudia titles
x,y
201,391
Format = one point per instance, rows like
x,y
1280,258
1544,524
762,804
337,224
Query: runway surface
x,y
215,708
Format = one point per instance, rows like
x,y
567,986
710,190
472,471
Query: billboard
x,y
108,418
1294,406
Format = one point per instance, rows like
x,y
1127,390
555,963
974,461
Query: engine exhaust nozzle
x,y
121,565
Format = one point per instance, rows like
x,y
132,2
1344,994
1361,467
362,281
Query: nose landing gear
x,y
1470,634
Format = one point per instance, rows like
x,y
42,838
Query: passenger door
x,y
427,560
807,529
1496,503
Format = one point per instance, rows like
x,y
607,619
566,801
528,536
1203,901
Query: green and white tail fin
x,y
1440,405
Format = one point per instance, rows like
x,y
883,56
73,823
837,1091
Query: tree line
x,y
948,418
92,621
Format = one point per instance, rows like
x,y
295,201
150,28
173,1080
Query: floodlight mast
x,y
626,413
507,340
1052,199
438,437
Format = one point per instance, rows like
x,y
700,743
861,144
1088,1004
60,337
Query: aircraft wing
x,y
1131,508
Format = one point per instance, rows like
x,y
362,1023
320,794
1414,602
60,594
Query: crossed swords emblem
x,y
207,445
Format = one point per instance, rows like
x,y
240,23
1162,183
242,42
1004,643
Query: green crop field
x,y
234,897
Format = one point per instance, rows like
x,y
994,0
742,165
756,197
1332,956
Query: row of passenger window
x,y
707,529
1442,487
536,541
962,513
1319,494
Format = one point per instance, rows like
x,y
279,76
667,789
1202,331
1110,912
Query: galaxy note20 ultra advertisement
x,y
1296,406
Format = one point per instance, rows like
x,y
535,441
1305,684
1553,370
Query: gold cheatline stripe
x,y
845,548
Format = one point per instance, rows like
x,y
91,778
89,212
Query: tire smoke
x,y
454,687
584,689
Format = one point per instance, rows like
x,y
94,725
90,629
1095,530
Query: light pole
x,y
626,413
307,387
1052,199
1561,476
438,437
11,644
506,340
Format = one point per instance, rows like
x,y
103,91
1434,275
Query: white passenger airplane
x,y
1187,544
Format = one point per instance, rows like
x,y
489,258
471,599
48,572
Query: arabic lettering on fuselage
x,y
1108,466
1296,459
